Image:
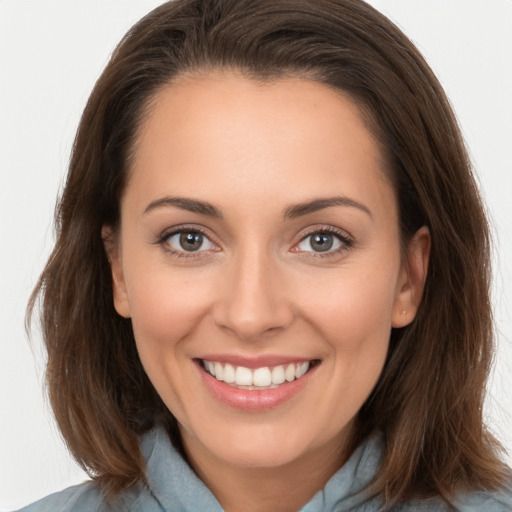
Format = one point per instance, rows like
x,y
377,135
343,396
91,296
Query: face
x,y
259,260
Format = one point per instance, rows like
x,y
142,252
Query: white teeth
x,y
262,377
243,376
229,374
219,371
258,378
278,375
289,373
301,370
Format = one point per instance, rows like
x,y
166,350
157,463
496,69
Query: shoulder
x,y
79,498
162,461
88,497
486,501
478,501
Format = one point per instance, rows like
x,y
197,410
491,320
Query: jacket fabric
x,y
174,487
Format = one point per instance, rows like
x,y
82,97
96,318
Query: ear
x,y
113,251
411,282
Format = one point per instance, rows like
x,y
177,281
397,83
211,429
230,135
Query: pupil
x,y
191,241
321,243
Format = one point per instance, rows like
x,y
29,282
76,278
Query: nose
x,y
253,300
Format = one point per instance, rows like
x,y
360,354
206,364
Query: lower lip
x,y
254,400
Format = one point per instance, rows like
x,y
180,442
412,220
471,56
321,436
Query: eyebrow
x,y
185,203
298,210
292,212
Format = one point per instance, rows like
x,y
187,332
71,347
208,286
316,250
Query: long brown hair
x,y
428,401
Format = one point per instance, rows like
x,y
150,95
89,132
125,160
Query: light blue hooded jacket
x,y
174,487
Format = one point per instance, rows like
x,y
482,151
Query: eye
x,y
188,241
323,242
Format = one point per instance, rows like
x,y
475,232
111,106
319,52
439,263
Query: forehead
x,y
225,133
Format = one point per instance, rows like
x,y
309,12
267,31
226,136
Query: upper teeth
x,y
259,377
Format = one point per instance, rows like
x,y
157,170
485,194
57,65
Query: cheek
x,y
353,309
166,306
166,310
352,312
353,316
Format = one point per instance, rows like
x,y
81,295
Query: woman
x,y
262,295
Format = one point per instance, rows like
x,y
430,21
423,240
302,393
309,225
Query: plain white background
x,y
51,53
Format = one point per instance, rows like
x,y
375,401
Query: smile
x,y
257,378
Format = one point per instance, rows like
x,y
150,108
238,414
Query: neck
x,y
284,488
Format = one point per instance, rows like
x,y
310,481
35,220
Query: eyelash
x,y
345,241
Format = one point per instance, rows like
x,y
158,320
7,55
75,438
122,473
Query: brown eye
x,y
189,241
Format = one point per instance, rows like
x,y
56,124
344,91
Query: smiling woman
x,y
274,303
259,294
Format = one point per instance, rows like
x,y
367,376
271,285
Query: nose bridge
x,y
253,301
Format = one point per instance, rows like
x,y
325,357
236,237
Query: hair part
x,y
428,402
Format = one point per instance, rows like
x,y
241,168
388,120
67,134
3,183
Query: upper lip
x,y
255,361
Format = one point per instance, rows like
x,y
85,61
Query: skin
x,y
256,286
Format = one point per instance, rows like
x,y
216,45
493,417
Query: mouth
x,y
257,379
